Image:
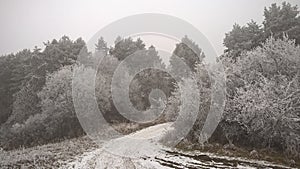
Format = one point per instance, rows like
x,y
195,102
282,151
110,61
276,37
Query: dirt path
x,y
130,151
143,150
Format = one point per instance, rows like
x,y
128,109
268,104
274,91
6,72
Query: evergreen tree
x,y
126,47
279,20
190,53
243,38
102,46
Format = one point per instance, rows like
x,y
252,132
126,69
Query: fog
x,y
25,24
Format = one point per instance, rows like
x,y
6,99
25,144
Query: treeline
x,y
37,103
263,81
278,21
21,70
23,77
262,68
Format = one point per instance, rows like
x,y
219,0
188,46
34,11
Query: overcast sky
x,y
27,23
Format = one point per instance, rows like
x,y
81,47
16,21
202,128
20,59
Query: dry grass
x,y
55,155
46,156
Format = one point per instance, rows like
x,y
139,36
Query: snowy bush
x,y
268,102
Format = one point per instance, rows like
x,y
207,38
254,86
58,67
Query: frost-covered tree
x,y
267,102
57,101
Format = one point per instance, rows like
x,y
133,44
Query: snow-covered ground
x,y
130,151
143,150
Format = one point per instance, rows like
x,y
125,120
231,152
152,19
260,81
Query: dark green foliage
x,y
6,85
101,45
189,52
278,21
17,70
103,88
24,75
148,80
126,47
55,56
243,38
61,53
142,83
